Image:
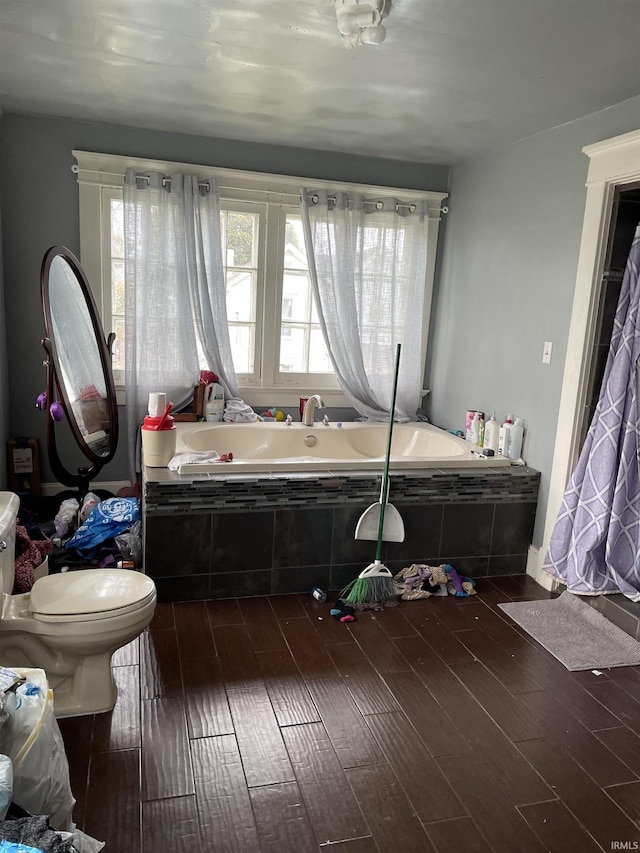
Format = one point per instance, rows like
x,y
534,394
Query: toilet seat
x,y
90,594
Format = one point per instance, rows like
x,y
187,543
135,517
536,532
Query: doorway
x,y
625,216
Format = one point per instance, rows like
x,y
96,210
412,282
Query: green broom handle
x,y
385,475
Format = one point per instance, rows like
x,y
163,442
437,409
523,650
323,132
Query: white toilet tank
x,y
9,506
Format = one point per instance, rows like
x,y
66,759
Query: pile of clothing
x,y
99,533
421,581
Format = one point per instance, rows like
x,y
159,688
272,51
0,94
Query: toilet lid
x,y
90,594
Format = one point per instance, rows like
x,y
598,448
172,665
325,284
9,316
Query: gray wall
x,y
39,203
507,279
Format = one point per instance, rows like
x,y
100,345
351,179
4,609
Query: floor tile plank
x,y
382,653
160,673
445,687
311,657
120,728
417,772
166,765
624,744
291,701
224,807
627,797
454,836
264,756
224,611
502,760
394,824
590,805
77,733
515,676
594,758
281,819
503,828
237,658
423,615
262,625
429,720
205,698
509,712
352,740
619,702
193,630
286,606
332,809
557,828
171,825
112,812
370,692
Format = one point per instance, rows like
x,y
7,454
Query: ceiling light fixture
x,y
359,21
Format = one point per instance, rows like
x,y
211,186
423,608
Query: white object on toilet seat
x,y
89,594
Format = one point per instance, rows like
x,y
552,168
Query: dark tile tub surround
x,y
236,535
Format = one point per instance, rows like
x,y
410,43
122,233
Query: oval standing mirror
x,y
78,367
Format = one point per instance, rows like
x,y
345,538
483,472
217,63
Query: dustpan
x,y
368,526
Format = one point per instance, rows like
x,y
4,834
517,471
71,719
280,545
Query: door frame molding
x,y
612,163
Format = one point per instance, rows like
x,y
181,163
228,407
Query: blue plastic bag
x,y
16,847
109,518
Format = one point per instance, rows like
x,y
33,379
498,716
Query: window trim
x,y
98,174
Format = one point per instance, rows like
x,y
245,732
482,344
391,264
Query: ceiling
x,y
453,79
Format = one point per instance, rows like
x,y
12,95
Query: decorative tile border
x,y
240,493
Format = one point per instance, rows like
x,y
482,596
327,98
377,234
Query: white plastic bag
x,y
32,740
41,771
6,784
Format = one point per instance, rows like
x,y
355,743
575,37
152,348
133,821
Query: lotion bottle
x,y
516,433
492,433
503,436
475,428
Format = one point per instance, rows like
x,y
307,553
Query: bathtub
x,y
276,447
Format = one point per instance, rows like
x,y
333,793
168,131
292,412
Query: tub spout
x,y
310,408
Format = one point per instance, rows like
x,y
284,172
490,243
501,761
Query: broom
x,y
374,585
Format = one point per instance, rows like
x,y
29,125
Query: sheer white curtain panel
x,y
368,264
175,296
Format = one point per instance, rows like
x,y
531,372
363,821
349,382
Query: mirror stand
x,y
79,379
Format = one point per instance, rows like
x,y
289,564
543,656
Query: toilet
x,y
70,624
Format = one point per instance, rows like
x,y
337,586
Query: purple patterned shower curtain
x,y
595,544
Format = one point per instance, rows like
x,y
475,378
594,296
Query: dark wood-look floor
x,y
262,724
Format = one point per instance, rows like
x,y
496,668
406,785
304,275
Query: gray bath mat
x,y
576,634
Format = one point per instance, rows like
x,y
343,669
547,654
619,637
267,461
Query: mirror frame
x,y
54,382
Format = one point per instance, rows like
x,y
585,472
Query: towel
x,y
192,457
237,411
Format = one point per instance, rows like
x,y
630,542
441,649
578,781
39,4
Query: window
x,y
276,339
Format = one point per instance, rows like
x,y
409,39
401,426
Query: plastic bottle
x,y
213,402
503,436
491,433
516,434
474,430
318,593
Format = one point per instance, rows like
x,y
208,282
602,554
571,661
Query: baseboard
x,y
534,569
50,489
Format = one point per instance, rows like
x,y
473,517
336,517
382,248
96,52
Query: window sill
x,y
260,398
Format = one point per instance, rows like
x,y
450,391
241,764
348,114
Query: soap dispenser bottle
x,y
504,436
516,434
491,433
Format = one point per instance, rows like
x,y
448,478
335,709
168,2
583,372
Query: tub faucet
x,y
310,408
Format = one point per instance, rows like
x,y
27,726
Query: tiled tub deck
x,y
234,535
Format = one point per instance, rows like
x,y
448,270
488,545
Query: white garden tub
x,y
277,447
